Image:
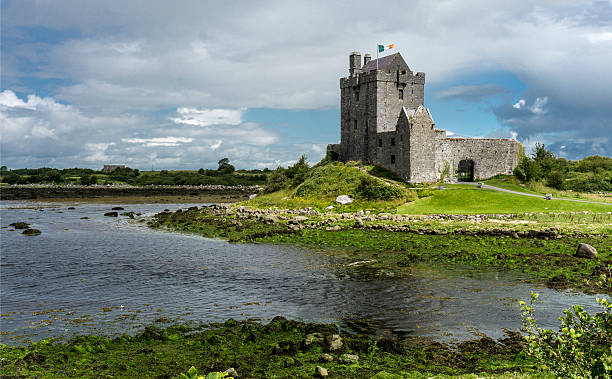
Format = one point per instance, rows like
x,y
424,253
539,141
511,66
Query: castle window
x,y
403,72
355,124
356,95
380,142
401,93
392,141
393,159
412,91
401,137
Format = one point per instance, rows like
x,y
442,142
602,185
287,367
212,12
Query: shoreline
x,y
128,194
386,245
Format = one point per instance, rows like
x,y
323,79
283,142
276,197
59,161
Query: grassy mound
x,y
324,182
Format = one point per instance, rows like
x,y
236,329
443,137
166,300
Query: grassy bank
x,y
390,244
463,200
280,349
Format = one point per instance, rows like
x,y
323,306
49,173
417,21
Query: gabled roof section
x,y
386,62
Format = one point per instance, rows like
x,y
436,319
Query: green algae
x,y
275,350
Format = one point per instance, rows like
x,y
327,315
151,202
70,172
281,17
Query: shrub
x,y
276,180
582,348
374,189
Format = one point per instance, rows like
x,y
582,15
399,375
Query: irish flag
x,y
382,48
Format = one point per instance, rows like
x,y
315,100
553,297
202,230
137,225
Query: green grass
x,y
510,183
475,200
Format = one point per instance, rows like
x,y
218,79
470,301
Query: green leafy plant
x,y
581,348
192,373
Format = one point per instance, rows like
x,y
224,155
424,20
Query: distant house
x,y
112,167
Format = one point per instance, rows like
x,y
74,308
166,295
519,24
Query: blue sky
x,y
150,83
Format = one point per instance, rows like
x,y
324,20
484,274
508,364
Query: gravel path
x,y
533,194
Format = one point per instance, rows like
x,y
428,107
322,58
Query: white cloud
x,y
216,145
538,105
206,117
519,104
158,141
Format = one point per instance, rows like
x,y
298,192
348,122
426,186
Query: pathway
x,y
487,186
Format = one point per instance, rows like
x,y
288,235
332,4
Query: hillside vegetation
x,y
318,187
590,174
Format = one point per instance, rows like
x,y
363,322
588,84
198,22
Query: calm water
x,y
113,275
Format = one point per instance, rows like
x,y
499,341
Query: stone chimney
x,y
355,63
366,59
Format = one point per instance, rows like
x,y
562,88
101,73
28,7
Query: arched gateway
x,y
465,171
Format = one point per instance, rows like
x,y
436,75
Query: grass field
x,y
461,200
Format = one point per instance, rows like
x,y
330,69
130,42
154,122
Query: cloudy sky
x,y
182,84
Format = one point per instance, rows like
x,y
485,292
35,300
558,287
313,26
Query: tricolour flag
x,y
382,48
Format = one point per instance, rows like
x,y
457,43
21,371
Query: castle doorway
x,y
465,172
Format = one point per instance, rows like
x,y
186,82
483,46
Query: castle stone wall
x,y
383,120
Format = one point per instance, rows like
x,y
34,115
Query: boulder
x,y
31,232
358,223
326,358
548,196
334,228
313,338
349,358
111,214
334,342
586,251
20,225
329,207
251,197
300,218
116,208
320,372
344,199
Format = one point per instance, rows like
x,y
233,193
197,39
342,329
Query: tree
x,y
3,170
225,166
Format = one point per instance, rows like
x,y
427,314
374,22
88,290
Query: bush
x,y
373,189
276,180
582,348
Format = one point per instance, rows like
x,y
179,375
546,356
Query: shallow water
x,y
113,275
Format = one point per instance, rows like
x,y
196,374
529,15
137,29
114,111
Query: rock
x,y
116,208
329,207
548,196
251,197
515,235
70,208
270,219
20,225
84,218
111,214
349,358
344,199
313,338
231,372
300,218
586,251
358,223
326,358
31,232
333,228
334,342
320,372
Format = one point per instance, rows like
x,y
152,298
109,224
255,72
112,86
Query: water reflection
x,y
111,275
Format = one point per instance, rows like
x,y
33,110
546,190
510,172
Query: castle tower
x,y
371,99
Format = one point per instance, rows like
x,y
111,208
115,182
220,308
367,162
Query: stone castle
x,y
384,122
